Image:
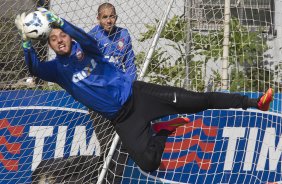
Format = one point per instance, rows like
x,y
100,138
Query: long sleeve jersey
x,y
86,74
117,47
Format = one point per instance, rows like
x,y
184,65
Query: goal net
x,y
200,45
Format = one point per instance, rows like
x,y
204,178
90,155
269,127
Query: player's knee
x,y
149,166
149,162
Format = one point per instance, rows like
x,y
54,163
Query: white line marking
x,y
44,108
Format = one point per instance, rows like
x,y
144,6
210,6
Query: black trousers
x,y
151,101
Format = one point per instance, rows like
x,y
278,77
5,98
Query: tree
x,y
162,68
247,68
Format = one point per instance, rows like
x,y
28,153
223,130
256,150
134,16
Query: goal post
x,y
43,129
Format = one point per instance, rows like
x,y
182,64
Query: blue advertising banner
x,y
36,126
226,146
221,146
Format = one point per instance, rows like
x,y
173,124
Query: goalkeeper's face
x,y
60,42
107,18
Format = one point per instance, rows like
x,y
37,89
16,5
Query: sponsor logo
x,y
78,143
25,142
217,146
114,59
174,100
184,147
78,76
12,147
224,146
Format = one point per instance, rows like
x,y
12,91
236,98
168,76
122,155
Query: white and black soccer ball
x,y
36,26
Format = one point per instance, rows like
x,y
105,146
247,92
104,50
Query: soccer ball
x,y
36,26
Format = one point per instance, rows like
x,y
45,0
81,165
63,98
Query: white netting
x,y
44,132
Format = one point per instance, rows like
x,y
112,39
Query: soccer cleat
x,y
265,100
170,125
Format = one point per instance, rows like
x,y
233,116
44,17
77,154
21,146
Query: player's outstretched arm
x,y
35,66
45,70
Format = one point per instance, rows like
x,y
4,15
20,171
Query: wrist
x,y
26,44
53,19
61,22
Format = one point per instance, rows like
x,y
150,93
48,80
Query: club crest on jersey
x,y
120,44
79,55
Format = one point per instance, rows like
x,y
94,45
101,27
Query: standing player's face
x,y
107,18
60,42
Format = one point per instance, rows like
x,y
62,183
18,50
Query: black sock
x,y
252,102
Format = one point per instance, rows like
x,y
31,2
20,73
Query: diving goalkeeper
x,y
81,69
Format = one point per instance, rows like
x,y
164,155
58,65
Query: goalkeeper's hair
x,y
53,26
106,5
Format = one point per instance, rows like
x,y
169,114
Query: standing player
x,y
114,42
81,69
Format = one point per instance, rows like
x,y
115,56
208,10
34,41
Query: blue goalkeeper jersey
x,y
86,74
117,47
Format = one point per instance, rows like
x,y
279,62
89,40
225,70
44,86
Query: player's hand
x,y
52,18
19,21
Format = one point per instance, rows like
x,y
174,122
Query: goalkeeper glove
x,y
52,18
19,21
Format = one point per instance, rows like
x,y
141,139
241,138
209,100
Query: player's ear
x,y
116,17
98,18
